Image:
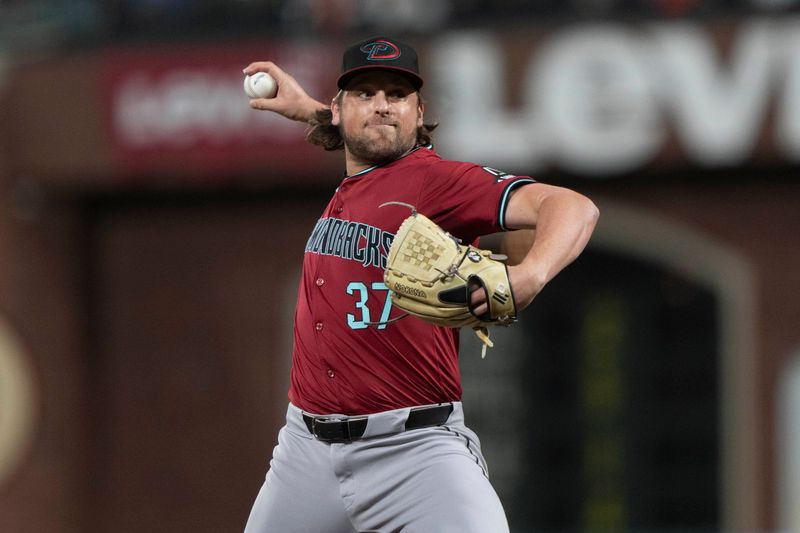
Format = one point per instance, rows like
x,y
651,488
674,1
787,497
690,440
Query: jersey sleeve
x,y
468,200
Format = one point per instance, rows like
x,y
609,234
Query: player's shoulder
x,y
423,161
437,167
428,157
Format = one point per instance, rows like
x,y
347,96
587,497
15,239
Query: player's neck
x,y
354,166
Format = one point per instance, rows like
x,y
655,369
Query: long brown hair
x,y
322,133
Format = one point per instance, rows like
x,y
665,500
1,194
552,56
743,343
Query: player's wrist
x,y
526,282
311,108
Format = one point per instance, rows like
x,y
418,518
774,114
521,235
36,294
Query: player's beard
x,y
378,152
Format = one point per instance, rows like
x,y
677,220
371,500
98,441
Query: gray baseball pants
x,y
427,480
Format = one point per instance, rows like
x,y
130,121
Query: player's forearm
x,y
564,222
564,225
307,109
301,109
311,110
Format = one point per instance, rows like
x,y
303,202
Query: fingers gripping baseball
x,y
290,101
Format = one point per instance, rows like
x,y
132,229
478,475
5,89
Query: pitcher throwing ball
x,y
375,438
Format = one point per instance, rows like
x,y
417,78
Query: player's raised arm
x,y
291,101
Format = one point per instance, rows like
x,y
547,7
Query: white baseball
x,y
260,85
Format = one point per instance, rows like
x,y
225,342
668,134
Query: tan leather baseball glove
x,y
431,275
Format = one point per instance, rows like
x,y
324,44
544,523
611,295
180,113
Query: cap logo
x,y
381,50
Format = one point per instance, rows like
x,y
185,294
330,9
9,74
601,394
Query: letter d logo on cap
x,y
381,50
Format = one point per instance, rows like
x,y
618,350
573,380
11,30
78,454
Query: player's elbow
x,y
589,211
583,215
582,210
589,215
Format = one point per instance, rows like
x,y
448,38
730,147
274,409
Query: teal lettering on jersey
x,y
350,240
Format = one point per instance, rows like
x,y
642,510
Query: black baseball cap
x,y
380,53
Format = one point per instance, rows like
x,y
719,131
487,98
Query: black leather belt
x,y
352,428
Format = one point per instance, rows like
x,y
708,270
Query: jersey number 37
x,y
361,319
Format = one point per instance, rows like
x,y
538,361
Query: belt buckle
x,y
343,435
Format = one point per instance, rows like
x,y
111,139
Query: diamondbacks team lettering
x,y
355,241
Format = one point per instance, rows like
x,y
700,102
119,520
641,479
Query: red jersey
x,y
347,357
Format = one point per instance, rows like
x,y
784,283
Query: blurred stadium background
x,y
152,228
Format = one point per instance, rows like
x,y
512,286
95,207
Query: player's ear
x,y
336,109
420,111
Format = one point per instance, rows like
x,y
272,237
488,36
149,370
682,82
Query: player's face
x,y
378,117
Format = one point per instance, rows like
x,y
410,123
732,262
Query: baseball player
x,y
375,438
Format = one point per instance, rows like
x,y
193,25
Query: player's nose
x,y
381,102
